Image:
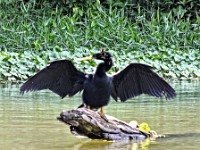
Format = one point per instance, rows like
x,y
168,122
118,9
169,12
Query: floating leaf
x,y
197,73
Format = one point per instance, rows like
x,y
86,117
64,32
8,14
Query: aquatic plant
x,y
30,37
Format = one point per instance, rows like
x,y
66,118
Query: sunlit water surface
x,y
29,122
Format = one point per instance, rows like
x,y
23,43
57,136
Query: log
x,y
88,123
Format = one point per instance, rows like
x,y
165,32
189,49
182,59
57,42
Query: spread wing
x,y
137,79
59,76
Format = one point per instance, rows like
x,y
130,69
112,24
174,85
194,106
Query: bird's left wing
x,y
137,79
59,76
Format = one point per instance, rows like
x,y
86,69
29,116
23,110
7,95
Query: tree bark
x,y
89,123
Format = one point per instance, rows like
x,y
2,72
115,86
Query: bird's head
x,y
102,55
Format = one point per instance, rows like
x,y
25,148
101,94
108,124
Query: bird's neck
x,y
102,68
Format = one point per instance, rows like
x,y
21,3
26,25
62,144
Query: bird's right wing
x,y
59,76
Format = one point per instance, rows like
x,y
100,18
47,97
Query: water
x,y
29,121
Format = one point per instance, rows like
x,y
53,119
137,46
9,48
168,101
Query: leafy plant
x,y
30,38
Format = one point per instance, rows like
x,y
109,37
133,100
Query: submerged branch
x,y
89,123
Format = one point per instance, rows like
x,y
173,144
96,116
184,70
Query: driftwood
x,y
89,123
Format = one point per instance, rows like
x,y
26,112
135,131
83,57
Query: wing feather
x,y
137,79
60,76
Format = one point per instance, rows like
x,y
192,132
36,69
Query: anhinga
x,y
64,79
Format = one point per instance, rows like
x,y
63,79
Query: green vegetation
x,y
31,35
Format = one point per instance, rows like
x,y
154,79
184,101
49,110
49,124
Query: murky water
x,y
29,122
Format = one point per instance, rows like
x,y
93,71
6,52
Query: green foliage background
x,y
163,34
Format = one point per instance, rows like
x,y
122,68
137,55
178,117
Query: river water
x,y
29,122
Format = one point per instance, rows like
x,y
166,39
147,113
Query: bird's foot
x,y
102,114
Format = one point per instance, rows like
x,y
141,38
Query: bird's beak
x,y
85,58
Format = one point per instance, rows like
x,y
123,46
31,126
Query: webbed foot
x,y
102,114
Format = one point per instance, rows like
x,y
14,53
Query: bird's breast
x,y
97,91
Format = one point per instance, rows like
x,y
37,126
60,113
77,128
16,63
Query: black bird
x,y
64,79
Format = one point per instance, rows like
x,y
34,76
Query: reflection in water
x,y
143,145
102,144
29,121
